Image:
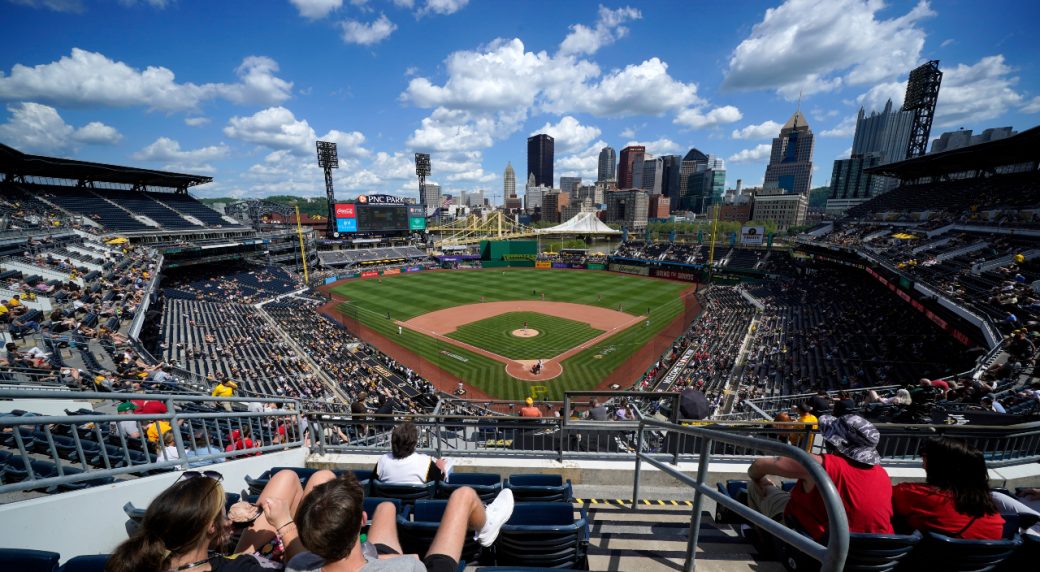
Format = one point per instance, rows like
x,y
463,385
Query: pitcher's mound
x,y
525,333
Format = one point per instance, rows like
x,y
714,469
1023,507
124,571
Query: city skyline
x,y
176,91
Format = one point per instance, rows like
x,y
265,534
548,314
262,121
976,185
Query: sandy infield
x,y
439,323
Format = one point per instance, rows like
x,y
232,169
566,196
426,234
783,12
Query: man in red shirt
x,y
853,465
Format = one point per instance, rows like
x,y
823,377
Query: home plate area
x,y
531,338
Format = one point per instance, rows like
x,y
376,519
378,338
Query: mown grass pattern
x,y
555,335
408,295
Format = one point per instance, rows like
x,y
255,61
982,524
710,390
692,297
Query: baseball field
x,y
518,332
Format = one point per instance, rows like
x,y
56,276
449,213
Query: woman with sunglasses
x,y
188,520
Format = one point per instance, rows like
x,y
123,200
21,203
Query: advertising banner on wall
x,y
346,225
413,269
543,264
630,269
685,275
752,235
345,210
369,274
391,271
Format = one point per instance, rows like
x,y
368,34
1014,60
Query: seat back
x,y
407,494
543,534
91,563
25,560
539,488
486,485
419,523
940,552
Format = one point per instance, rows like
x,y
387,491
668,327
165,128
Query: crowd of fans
x,y
663,251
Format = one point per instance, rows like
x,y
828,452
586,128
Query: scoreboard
x,y
379,213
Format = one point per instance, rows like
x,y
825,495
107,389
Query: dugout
x,y
508,253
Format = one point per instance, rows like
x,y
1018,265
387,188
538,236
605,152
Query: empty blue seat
x,y
407,494
89,563
547,488
486,485
543,534
25,560
867,553
418,525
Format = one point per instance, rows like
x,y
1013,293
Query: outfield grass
x,y
408,295
555,335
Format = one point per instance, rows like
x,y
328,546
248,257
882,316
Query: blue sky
x,y
239,90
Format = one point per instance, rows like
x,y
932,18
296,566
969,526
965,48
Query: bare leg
x,y
384,527
464,512
285,485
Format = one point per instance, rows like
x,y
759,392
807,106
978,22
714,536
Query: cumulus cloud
x,y
168,151
459,130
86,78
277,128
1033,106
608,29
440,7
584,163
662,146
638,89
765,130
820,45
877,96
758,153
846,128
366,34
40,128
316,9
695,119
971,94
196,121
569,134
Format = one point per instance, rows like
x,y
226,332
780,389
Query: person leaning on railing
x,y
853,465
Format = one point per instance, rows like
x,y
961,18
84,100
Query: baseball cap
x,y
529,401
852,436
125,406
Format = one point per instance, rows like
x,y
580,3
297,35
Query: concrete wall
x,y
92,521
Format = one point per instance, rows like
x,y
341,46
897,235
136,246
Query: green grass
x,y
408,295
555,335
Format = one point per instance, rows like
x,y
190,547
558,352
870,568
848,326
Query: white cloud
x,y
584,164
1033,106
569,134
316,9
86,78
846,128
441,7
947,42
971,94
458,130
628,133
160,4
662,146
75,6
97,133
638,89
821,45
876,97
759,153
35,127
765,130
196,121
609,28
357,32
277,128
168,151
720,115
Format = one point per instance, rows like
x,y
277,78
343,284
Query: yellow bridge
x,y
473,229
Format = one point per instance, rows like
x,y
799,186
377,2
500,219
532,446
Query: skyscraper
x,y
509,182
790,162
706,186
607,165
880,138
432,198
569,184
540,159
653,175
691,163
671,165
629,157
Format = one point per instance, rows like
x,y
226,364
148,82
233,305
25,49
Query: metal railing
x,y
70,449
831,557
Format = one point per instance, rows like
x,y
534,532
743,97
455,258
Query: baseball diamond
x,y
459,324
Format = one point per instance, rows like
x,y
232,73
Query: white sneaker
x,y
495,514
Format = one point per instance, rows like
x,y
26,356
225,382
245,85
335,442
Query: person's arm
x,y
779,466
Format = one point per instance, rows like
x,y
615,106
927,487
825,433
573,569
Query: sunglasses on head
x,y
196,474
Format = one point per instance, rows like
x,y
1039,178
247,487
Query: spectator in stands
x,y
955,499
128,429
529,409
186,520
821,403
902,397
853,465
597,412
225,388
168,450
402,465
993,405
201,449
844,404
241,440
331,517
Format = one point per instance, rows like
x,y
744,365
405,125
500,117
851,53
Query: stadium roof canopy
x,y
1023,148
16,166
581,223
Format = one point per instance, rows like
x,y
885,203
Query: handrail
x,y
831,557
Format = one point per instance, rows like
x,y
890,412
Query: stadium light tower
x,y
922,92
328,160
422,170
